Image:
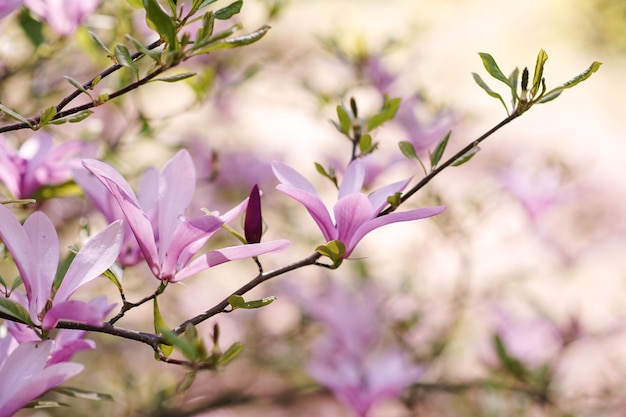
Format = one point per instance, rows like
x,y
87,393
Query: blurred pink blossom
x,y
354,357
535,342
27,372
8,6
63,16
38,163
537,192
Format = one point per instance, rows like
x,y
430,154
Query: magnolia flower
x,y
63,16
35,250
37,163
353,357
26,373
167,240
7,6
355,213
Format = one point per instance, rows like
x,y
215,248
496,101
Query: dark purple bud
x,y
253,223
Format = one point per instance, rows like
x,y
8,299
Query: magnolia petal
x,y
92,312
137,219
68,350
235,212
378,198
316,209
45,250
98,254
16,241
231,253
24,375
177,183
187,239
353,179
293,178
388,219
352,212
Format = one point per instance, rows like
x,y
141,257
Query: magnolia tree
x,y
54,175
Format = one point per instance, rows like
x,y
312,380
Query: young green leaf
x,y
122,55
229,11
334,250
345,121
231,353
156,56
330,174
407,149
488,90
466,157
390,108
554,93
14,311
492,68
237,301
248,39
47,115
14,115
542,57
163,23
435,157
161,328
100,43
83,394
365,144
176,77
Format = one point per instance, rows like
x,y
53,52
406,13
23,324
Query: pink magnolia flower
x,y
355,213
63,16
167,239
353,357
8,6
537,193
37,163
27,372
35,250
535,341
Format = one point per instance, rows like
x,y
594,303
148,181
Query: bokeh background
x,y
531,247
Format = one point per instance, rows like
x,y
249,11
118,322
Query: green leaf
x,y
12,309
156,56
40,404
186,382
122,55
390,108
231,353
439,150
330,174
365,144
488,90
345,121
100,43
395,200
492,68
204,3
16,283
32,27
83,394
542,57
176,77
466,157
137,4
248,39
161,328
78,117
513,80
229,11
163,23
335,250
237,301
115,273
15,115
408,149
47,115
554,93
